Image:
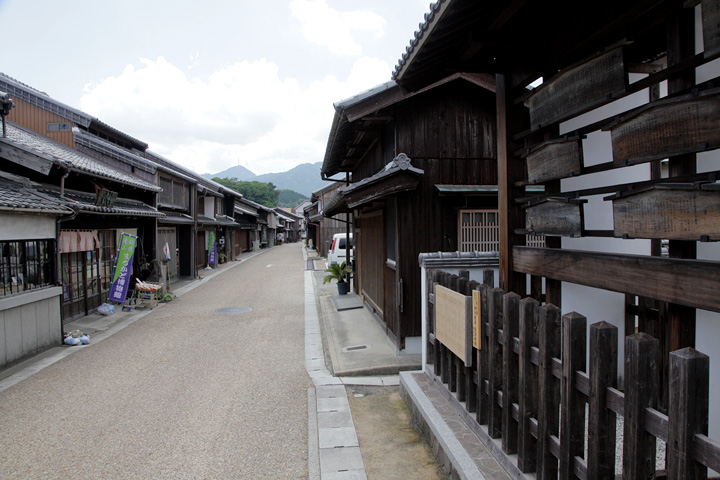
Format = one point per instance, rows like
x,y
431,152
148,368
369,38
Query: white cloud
x,y
328,27
244,112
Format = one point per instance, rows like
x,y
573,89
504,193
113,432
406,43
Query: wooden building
x,y
320,227
615,111
417,162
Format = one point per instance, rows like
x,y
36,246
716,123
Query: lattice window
x,y
479,231
26,265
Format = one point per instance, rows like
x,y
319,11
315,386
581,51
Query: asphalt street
x,y
185,392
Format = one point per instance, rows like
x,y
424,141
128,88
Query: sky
x,y
210,84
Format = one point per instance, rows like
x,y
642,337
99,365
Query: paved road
x,y
185,392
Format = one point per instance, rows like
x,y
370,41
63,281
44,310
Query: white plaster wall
x,y
23,227
29,323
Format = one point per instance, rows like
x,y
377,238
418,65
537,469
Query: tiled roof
x,y
70,158
423,27
85,202
19,196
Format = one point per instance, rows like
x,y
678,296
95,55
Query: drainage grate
x,y
310,265
234,310
358,347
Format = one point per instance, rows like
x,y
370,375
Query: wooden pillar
x,y
641,391
689,400
511,119
681,46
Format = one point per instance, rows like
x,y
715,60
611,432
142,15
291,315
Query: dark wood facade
x,y
452,141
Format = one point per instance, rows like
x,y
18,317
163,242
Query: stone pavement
x,y
333,447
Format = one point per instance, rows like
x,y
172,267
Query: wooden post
x,y
495,366
460,287
688,411
511,321
451,359
528,380
641,392
602,422
549,395
471,388
483,357
511,119
572,402
489,277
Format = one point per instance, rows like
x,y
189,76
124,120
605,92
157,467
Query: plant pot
x,y
342,288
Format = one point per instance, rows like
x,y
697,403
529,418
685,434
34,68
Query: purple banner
x,y
212,249
123,266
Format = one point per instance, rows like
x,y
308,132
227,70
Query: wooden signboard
x,y
553,160
453,322
477,319
668,128
579,89
555,217
668,213
711,26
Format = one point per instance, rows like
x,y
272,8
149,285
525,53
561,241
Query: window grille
x,y
479,231
26,265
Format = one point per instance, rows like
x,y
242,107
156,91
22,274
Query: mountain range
x,y
304,179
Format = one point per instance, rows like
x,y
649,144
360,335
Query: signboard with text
x,y
123,268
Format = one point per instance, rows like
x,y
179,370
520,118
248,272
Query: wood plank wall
x,y
36,119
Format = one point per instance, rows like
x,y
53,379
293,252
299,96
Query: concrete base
x,y
457,449
347,302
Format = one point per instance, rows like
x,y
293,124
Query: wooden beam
x,y
511,169
693,283
25,158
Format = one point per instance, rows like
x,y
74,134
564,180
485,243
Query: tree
x,y
262,193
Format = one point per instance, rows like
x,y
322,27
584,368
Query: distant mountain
x,y
304,178
238,171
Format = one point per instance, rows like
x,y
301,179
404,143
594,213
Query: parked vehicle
x,y
337,252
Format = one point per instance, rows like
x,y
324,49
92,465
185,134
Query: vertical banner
x,y
212,249
123,265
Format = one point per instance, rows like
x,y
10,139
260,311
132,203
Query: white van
x,y
337,252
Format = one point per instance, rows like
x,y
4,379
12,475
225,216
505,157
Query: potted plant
x,y
337,271
222,257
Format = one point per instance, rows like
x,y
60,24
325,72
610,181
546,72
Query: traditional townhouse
x,y
416,178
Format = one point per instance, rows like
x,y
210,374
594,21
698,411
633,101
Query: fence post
x,y
483,357
460,287
511,320
641,391
688,411
495,366
549,396
451,359
572,403
528,380
435,344
602,422
471,388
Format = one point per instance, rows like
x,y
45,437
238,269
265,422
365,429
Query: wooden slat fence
x,y
531,398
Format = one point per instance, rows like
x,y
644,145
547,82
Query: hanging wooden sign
x,y
579,89
554,160
668,128
669,213
555,217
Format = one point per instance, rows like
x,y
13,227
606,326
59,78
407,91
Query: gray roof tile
x,y
71,158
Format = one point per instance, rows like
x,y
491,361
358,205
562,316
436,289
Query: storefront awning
x,y
398,176
203,220
174,218
225,221
481,189
84,202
